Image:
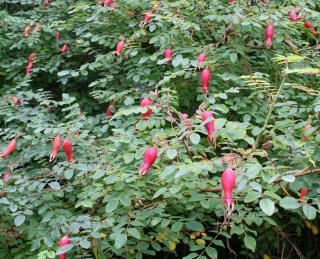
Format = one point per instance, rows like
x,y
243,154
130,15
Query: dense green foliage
x,y
266,104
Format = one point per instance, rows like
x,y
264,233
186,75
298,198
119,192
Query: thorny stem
x,y
256,143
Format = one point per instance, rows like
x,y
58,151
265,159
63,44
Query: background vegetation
x,y
266,104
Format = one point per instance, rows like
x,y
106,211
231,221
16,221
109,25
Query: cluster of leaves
x,y
262,101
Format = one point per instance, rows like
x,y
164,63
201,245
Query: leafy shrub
x,y
265,101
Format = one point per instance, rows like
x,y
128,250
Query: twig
x,y
256,143
151,204
211,241
218,189
295,248
187,147
300,173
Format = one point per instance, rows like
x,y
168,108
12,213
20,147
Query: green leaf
x,y
152,27
68,174
191,256
309,211
63,73
159,192
236,230
194,226
233,57
288,178
19,220
128,157
172,153
55,185
212,252
98,174
272,195
250,243
253,170
195,138
64,249
87,203
125,199
251,196
120,241
85,244
134,232
136,78
176,227
267,206
111,206
289,203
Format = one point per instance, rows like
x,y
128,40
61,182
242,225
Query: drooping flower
x,y
149,157
210,127
145,102
63,242
269,35
10,148
67,148
205,78
55,148
228,181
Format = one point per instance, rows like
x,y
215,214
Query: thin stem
x,y
269,113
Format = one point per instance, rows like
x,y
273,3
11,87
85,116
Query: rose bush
x,y
64,63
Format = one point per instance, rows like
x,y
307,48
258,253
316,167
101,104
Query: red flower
x,y
10,148
145,102
149,157
55,148
228,181
210,124
67,148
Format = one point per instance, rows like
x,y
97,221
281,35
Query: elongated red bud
x,y
26,31
10,148
55,148
28,68
109,111
303,192
32,55
205,78
147,17
269,35
184,116
119,47
168,54
145,102
67,148
17,101
106,2
6,177
64,48
230,2
149,157
63,242
58,36
209,125
201,59
46,3
294,16
228,181
308,24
